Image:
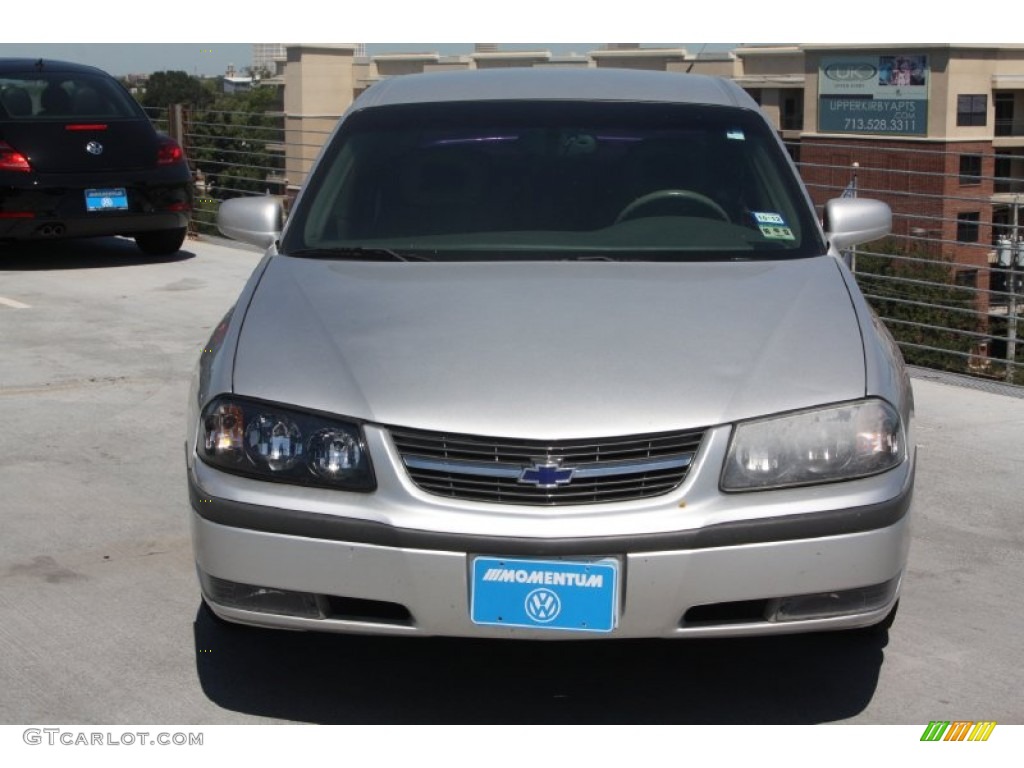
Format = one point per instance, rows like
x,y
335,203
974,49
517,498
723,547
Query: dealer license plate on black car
x,y
114,199
579,596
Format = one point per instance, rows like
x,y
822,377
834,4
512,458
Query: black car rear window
x,y
62,96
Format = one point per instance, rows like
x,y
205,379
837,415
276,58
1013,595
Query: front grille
x,y
492,469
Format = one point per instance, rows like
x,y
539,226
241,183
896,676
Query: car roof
x,y
524,83
9,66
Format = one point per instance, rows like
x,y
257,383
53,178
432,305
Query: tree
x,y
231,138
166,88
917,297
228,142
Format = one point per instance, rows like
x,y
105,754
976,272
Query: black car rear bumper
x,y
94,225
45,206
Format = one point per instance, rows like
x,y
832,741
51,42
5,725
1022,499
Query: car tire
x,y
162,243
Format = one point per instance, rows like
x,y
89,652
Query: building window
x,y
970,169
1004,181
792,109
967,227
1003,102
968,278
972,109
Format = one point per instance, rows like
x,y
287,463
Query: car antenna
x,y
695,57
39,65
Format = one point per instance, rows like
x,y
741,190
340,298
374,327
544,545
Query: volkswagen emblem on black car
x,y
94,148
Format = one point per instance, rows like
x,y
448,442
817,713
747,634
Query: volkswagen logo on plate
x,y
543,605
94,148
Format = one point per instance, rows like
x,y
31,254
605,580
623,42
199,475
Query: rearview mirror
x,y
851,221
253,220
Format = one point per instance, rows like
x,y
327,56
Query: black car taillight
x,y
12,160
169,153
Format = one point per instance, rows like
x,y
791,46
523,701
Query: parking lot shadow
x,y
88,253
321,678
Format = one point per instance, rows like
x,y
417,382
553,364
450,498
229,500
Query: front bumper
x,y
710,581
659,587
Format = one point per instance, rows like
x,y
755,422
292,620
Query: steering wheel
x,y
672,194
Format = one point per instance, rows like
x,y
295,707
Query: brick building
x,y
943,149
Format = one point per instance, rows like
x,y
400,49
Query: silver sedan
x,y
552,355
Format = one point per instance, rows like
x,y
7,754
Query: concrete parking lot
x,y
100,617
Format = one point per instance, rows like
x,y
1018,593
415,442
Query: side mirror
x,y
851,221
253,220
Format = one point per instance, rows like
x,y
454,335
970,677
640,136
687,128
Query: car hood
x,y
551,350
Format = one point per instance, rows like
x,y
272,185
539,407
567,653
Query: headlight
x,y
274,442
823,445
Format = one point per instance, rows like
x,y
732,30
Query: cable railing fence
x,y
948,283
235,154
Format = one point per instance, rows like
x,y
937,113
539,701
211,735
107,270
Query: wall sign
x,y
885,95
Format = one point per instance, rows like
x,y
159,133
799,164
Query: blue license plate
x,y
575,596
115,199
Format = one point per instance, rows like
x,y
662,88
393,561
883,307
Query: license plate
x,y
566,595
115,199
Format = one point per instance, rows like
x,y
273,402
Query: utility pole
x,y
853,250
1011,256
1011,331
850,254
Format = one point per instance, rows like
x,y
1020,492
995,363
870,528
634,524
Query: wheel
x,y
683,195
162,243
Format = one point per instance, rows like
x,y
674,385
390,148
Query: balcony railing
x,y
1010,127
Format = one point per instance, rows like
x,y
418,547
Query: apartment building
x,y
933,132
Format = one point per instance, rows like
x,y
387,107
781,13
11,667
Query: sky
x,y
126,38
205,59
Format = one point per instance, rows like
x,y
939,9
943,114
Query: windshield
x,y
555,180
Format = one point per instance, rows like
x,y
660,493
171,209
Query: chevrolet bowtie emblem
x,y
546,473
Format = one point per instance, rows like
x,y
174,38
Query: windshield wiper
x,y
592,257
356,252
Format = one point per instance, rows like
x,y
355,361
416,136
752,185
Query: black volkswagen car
x,y
80,158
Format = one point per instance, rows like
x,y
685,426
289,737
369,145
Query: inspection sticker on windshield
x,y
773,226
562,595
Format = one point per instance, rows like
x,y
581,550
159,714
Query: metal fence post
x,y
176,123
